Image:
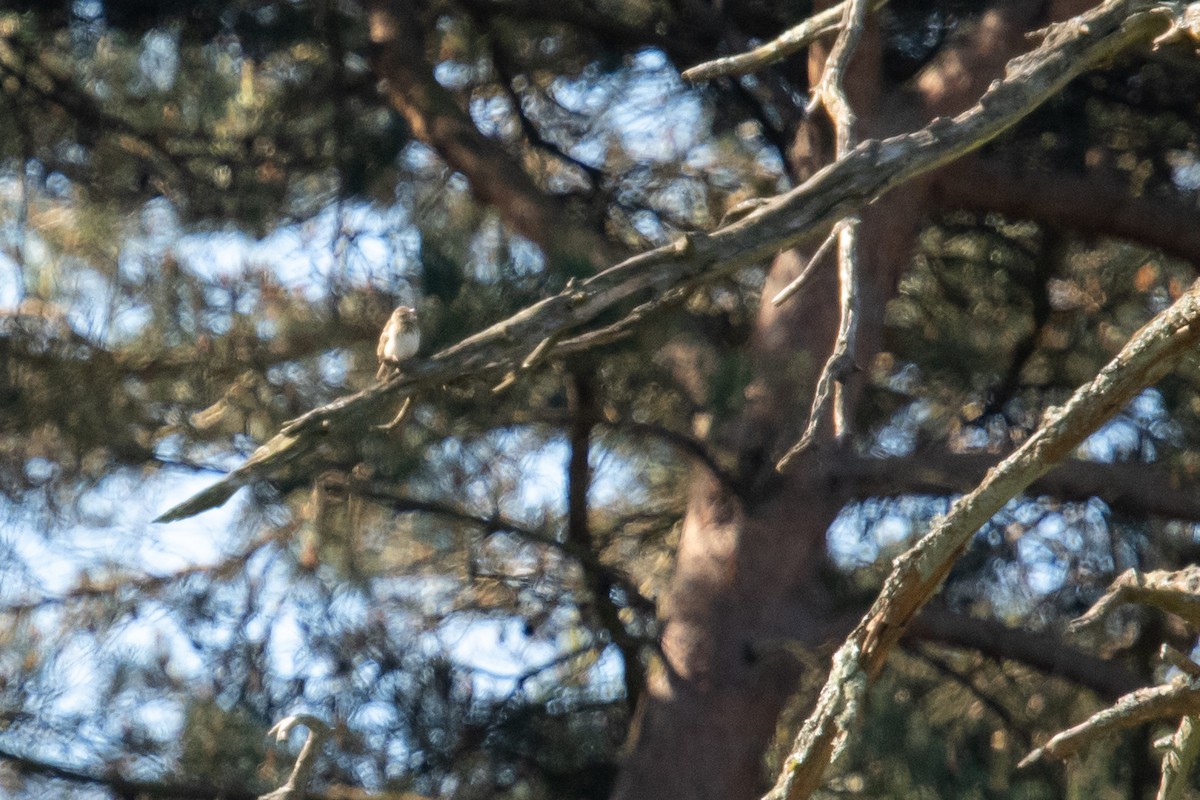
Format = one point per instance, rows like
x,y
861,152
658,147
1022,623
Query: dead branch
x,y
790,219
800,280
917,574
790,41
1179,756
1175,699
1176,591
831,94
296,786
1169,655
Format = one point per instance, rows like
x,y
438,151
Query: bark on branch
x,y
1149,355
785,44
808,211
1180,698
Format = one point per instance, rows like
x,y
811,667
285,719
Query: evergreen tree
x,y
573,566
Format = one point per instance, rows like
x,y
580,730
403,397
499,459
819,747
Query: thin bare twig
x,y
798,282
1176,591
830,92
786,221
1175,699
790,41
296,787
1169,655
840,364
917,574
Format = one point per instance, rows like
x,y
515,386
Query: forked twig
x,y
790,41
917,574
296,787
830,93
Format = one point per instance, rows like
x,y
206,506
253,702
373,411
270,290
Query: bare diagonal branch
x,y
790,41
1152,352
790,219
830,93
1176,699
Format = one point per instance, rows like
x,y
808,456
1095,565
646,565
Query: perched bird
x,y
399,341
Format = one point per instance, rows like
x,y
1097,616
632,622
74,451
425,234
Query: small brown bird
x,y
399,341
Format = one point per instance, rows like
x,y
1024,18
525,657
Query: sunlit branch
x,y
1169,655
785,221
1176,699
917,574
296,786
829,398
1180,752
1176,591
797,283
790,41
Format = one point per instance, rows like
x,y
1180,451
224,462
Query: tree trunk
x,y
746,564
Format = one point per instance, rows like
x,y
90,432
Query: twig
x,y
296,787
405,407
1179,661
918,573
1178,698
830,93
1176,591
840,363
787,221
810,268
790,41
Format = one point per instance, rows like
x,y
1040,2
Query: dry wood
x,y
806,212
